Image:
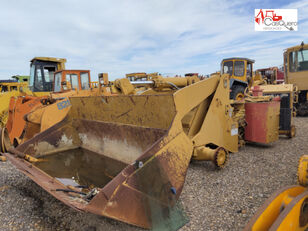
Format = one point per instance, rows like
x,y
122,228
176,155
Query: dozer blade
x,y
123,157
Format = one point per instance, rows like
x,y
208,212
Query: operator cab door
x,y
42,76
297,70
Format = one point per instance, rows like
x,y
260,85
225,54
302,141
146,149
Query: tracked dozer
x,y
126,156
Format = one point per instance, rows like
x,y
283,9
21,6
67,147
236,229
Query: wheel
x,y
292,131
221,158
237,92
2,140
5,140
302,176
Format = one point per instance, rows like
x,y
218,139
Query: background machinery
x,y
296,72
40,83
42,71
29,115
272,75
241,75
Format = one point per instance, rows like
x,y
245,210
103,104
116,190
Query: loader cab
x,y
72,80
296,72
296,66
241,75
42,70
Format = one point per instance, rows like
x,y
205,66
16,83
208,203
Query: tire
x,y
237,92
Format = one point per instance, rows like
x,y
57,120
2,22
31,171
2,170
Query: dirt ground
x,y
213,200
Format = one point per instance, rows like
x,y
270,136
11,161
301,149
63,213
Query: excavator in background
x,y
287,208
296,73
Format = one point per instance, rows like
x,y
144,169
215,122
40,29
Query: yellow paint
x,y
302,171
272,212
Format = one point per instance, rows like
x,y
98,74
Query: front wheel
x,y
237,92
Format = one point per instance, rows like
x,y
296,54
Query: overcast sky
x,y
123,36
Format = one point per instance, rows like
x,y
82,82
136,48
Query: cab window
x,y
84,77
228,67
49,73
298,60
239,68
249,69
73,80
38,82
57,87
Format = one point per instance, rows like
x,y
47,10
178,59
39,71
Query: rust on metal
x,y
148,141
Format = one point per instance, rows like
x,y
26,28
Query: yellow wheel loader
x,y
40,83
126,156
287,208
29,115
130,153
241,75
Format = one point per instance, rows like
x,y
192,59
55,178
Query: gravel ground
x,y
213,200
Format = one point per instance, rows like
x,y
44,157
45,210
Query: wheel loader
x,y
242,79
126,156
29,114
296,72
40,82
241,75
287,208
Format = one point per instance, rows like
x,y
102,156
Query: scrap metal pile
x,y
121,149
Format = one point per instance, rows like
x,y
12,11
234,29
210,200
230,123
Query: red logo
x,y
268,14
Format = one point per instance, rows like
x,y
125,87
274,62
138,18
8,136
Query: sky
x,y
124,36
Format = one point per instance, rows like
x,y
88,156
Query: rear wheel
x,y
237,92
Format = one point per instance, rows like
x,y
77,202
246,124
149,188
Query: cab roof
x,y
297,47
238,58
51,59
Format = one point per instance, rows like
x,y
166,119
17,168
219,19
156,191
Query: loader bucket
x,y
130,155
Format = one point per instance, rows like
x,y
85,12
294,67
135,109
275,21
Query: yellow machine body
x,y
295,65
240,71
24,88
296,73
287,209
153,136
